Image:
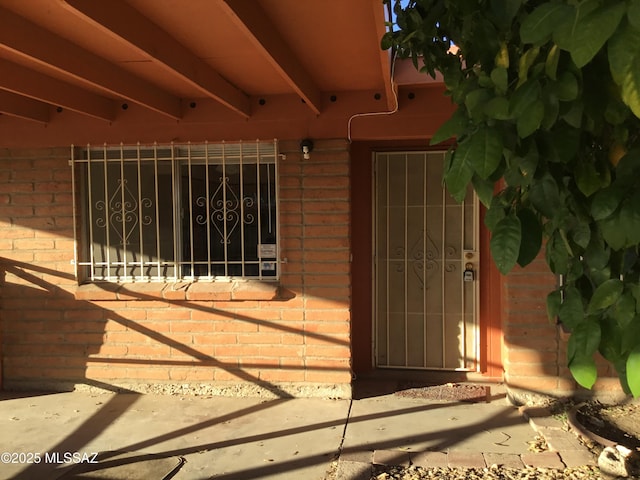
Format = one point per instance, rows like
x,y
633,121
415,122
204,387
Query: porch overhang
x,y
79,71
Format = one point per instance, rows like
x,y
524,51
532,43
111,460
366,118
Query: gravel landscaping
x,y
492,473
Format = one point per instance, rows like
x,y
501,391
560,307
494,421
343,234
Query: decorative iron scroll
x,y
225,208
417,259
124,211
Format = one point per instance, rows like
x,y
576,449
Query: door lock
x,y
469,274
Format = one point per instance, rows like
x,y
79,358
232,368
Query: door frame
x,y
490,292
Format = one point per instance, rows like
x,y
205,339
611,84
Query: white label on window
x,y
267,250
268,266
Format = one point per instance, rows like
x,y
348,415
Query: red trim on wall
x,y
490,308
362,254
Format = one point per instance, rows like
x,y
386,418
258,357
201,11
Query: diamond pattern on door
x,y
425,312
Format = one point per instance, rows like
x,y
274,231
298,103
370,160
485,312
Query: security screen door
x,y
425,302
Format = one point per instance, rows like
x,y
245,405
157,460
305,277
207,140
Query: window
x,y
177,212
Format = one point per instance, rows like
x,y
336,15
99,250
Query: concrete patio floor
x,y
149,436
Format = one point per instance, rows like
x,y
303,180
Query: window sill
x,y
197,291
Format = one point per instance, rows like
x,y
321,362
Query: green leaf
x,y
529,123
387,41
624,61
566,87
619,53
475,101
585,338
613,232
505,243
531,237
605,295
523,98
631,338
551,63
503,11
529,164
585,34
630,218
596,254
633,13
605,202
633,371
571,311
557,255
526,61
554,300
584,370
541,23
583,343
545,195
451,128
574,115
610,343
484,189
498,108
551,109
628,168
624,310
587,178
500,78
485,151
581,234
459,174
494,214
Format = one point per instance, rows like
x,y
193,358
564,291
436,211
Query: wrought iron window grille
x,y
179,212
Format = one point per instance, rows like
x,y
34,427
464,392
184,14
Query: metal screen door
x,y
425,309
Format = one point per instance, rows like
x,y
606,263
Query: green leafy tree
x,y
548,106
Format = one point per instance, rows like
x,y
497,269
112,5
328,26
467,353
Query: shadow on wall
x,y
535,353
53,339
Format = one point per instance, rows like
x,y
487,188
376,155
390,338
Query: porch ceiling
x,y
78,61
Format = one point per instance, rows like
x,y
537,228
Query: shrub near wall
x,y
535,349
198,338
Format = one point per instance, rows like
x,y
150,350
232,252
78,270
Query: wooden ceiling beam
x,y
124,22
23,107
36,44
29,83
252,19
386,60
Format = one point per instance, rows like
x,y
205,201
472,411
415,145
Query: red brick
x,y
237,351
329,206
327,327
215,339
31,198
148,350
259,362
191,374
330,169
281,351
191,326
281,375
526,355
113,350
328,376
327,351
220,375
106,371
33,244
235,326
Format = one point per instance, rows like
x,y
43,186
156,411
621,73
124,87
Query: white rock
x,y
615,461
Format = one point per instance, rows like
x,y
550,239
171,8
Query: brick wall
x,y
146,338
534,353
